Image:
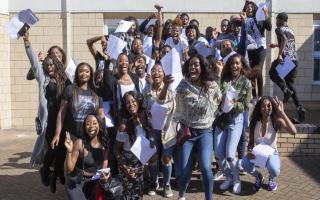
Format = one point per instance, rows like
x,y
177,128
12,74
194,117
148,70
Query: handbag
x,y
113,188
223,120
183,133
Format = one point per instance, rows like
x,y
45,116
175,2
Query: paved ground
x,y
299,179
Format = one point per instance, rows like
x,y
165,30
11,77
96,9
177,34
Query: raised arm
x,y
90,43
73,151
283,118
159,28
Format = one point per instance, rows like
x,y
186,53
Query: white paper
x,y
172,66
71,69
230,95
159,114
183,34
123,26
13,27
147,46
115,46
217,54
203,49
285,68
141,149
260,14
262,153
150,65
225,59
108,118
98,173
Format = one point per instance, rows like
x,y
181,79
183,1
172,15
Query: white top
x,y
124,137
182,45
142,84
270,137
124,89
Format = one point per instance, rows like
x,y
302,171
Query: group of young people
x,y
74,141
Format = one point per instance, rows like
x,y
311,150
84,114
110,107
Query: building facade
x,y
69,23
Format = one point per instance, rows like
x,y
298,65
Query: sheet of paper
x,y
262,153
285,68
230,95
115,46
171,65
71,69
123,26
141,149
27,16
260,14
183,34
13,27
147,46
217,54
203,49
98,173
158,113
108,118
225,59
150,65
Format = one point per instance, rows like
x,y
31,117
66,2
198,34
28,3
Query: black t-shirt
x,y
101,63
86,102
52,106
290,48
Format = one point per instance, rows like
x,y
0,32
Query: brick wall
x,y
5,79
305,142
24,93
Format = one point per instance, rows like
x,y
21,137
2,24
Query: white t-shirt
x,y
124,137
182,45
124,89
270,136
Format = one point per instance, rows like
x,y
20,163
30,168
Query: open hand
x,y
168,79
278,106
68,142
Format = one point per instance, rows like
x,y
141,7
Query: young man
x,y
286,45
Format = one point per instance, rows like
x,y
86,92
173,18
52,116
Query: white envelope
x,y
285,68
231,94
141,149
71,69
147,46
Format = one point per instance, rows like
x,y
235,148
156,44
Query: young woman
x,y
84,157
226,138
176,41
225,30
134,123
255,41
194,37
197,100
51,80
267,118
78,100
153,93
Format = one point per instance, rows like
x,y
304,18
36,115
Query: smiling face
x,y
249,10
140,65
50,67
84,73
137,46
194,69
123,64
157,74
192,34
266,108
224,26
57,53
92,126
150,31
175,32
131,105
236,67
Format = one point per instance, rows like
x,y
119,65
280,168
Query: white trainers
x,y
226,184
236,187
181,198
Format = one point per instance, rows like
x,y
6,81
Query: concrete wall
x,y
5,78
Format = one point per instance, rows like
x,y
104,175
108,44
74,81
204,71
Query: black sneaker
x,y
44,177
286,95
301,113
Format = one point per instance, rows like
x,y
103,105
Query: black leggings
x,y
287,82
256,60
56,155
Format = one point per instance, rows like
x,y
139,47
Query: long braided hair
x,y
61,76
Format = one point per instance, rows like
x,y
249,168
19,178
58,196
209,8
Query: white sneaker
x,y
226,184
236,187
181,198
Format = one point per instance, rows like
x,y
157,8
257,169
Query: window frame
x,y
315,54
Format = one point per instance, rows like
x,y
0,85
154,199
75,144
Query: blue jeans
x,y
202,140
273,166
167,168
225,143
243,139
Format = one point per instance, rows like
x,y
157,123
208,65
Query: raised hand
x,y
68,143
26,35
278,106
41,56
243,16
168,79
158,7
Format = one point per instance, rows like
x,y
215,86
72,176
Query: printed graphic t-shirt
x,y
87,102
